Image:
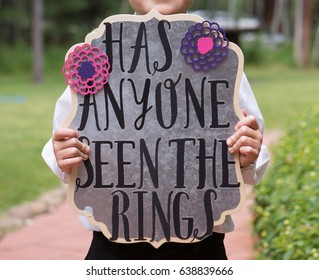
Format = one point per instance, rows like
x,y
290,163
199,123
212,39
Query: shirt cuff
x,y
65,178
249,174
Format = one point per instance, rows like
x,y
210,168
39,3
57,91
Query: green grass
x,y
25,128
281,92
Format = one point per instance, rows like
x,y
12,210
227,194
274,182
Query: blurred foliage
x,y
287,208
64,21
261,50
16,59
68,21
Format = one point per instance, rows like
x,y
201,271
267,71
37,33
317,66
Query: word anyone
x,y
167,92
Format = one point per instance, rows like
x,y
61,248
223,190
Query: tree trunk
x,y
302,37
37,38
281,20
315,50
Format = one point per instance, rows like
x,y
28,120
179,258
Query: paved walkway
x,y
58,235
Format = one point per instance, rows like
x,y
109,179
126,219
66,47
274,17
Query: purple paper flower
x,y
86,69
204,45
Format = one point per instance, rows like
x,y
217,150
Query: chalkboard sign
x,y
155,97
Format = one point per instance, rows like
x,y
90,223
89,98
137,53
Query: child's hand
x,y
68,150
247,139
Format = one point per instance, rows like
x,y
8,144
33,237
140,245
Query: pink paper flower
x,y
204,46
86,69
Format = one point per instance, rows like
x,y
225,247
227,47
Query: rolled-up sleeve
x,y
247,101
61,111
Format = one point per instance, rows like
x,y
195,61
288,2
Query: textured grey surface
x,y
191,203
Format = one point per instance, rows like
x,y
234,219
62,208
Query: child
x,y
64,151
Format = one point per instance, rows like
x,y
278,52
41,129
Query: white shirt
x,y
251,174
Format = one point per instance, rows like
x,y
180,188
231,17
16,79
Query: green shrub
x,y
16,59
259,51
287,201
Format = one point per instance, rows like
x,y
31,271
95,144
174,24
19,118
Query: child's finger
x,y
249,121
64,133
244,133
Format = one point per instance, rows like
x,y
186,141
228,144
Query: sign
x,y
155,97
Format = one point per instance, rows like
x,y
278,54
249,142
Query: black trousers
x,y
211,248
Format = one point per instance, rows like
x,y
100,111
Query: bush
x,y
287,210
262,50
16,59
